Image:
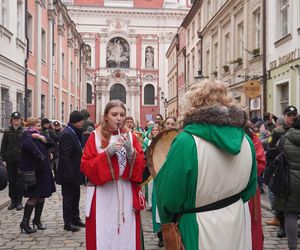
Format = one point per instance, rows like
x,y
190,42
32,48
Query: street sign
x,y
252,88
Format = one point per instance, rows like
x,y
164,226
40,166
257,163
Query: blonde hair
x,y
31,121
206,93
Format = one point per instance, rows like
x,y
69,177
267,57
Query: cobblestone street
x,y
54,237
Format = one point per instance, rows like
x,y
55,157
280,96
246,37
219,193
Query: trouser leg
x,y
15,191
68,197
291,228
75,206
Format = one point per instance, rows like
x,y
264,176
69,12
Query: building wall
x,y
228,37
283,56
12,59
56,62
142,24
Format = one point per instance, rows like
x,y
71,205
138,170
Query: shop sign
x,y
285,59
252,88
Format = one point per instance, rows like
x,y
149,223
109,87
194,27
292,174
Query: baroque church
x,y
127,41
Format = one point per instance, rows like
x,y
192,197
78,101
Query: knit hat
x,y
75,117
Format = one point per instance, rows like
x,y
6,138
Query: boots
x,y
281,233
26,217
37,216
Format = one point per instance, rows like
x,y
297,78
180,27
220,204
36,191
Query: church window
x,y
149,95
118,91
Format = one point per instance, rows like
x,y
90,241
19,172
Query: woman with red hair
x,y
113,162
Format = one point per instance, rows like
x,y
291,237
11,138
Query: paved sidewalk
x,y
54,237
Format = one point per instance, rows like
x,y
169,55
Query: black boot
x,y
281,233
37,216
12,205
26,217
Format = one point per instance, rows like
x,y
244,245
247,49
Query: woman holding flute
x,y
113,162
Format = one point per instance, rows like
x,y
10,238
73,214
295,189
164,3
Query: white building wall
x,y
12,58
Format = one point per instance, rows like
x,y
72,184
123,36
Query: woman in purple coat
x,y
35,156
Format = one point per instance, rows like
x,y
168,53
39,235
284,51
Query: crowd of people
x,y
209,184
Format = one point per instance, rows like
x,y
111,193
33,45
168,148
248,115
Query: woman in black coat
x,y
35,156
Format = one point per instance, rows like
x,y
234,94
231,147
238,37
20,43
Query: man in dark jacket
x,y
277,203
11,152
68,173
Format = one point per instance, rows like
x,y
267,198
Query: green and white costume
x,y
210,160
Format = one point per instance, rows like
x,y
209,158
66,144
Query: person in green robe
x,y
211,161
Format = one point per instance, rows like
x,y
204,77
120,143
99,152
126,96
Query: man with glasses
x,y
277,203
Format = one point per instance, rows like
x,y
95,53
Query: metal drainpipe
x,y
26,62
264,79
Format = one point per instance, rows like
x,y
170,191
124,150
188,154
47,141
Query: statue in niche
x,y
88,55
149,58
117,53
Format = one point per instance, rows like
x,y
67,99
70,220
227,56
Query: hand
x,y
35,136
113,148
128,147
4,163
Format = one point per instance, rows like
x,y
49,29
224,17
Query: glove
x,y
111,149
129,149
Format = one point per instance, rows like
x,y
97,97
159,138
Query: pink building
x,y
56,63
128,41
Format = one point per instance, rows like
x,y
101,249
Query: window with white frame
x,y
43,105
193,64
63,64
257,29
283,26
89,93
227,49
54,111
20,103
207,62
44,45
30,31
193,29
149,95
216,57
4,13
188,71
240,40
20,19
5,109
29,103
283,96
54,55
72,73
62,112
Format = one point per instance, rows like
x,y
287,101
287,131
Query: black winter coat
x,y
292,152
11,149
35,155
70,152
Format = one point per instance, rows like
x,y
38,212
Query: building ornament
x,y
51,15
70,42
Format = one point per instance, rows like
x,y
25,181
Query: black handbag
x,y
27,178
3,177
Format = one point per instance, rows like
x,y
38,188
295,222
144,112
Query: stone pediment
x,y
118,25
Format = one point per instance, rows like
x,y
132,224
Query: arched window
x,y
118,91
89,93
149,94
117,53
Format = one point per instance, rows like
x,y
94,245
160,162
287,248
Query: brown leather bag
x,y
172,237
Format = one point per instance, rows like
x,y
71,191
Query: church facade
x,y
128,42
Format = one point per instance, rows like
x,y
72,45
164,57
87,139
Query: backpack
x,y
277,173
